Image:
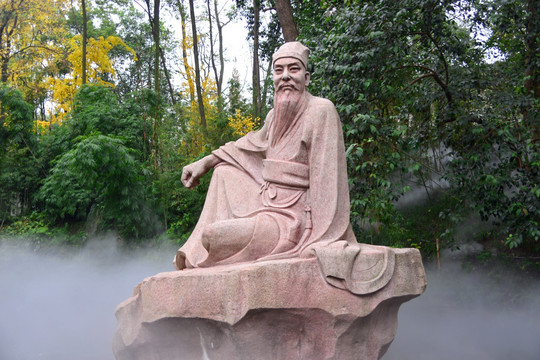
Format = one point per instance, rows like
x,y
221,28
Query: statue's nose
x,y
286,76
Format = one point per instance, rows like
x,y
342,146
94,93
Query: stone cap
x,y
294,49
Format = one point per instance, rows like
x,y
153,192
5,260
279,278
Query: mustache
x,y
287,86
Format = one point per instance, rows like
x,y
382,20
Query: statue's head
x,y
290,67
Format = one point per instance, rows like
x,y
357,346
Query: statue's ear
x,y
308,75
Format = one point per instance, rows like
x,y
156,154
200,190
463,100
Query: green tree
x,y
19,174
412,78
99,178
97,108
97,163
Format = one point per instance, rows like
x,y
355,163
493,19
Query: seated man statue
x,y
277,192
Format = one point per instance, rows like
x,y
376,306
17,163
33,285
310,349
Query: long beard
x,y
287,105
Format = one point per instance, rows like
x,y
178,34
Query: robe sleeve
x,y
328,189
247,152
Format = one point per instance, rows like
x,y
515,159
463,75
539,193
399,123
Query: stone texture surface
x,y
281,309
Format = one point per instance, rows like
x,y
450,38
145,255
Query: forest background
x,y
101,106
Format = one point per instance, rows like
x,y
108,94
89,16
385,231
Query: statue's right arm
x,y
192,172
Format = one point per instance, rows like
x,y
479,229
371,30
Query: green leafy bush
x,y
99,174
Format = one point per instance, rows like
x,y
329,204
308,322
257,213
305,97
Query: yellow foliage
x,y
242,124
36,48
189,72
41,126
34,32
98,65
197,139
97,56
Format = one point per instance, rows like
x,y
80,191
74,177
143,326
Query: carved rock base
x,y
282,309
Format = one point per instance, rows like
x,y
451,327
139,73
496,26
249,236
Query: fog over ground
x,y
468,314
61,307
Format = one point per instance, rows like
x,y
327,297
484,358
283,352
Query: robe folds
x,y
280,198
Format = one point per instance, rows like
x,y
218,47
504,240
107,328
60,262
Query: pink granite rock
x,y
280,309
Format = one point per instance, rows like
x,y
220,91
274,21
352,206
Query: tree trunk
x,y
7,32
197,68
153,18
265,89
155,30
218,74
183,17
84,40
286,20
212,53
256,75
5,61
220,42
166,72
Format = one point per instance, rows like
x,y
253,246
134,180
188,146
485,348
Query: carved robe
x,y
291,194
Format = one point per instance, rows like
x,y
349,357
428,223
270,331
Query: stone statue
x,y
274,192
277,218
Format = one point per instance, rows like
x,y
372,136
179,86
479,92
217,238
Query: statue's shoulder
x,y
322,108
321,102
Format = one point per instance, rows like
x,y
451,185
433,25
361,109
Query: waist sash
x,y
286,173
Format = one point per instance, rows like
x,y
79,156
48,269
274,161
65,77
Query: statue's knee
x,y
208,236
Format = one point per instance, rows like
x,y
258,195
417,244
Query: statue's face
x,y
290,75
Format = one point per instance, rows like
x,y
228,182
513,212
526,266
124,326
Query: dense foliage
x,y
433,93
436,97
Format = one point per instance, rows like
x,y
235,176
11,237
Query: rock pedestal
x,y
280,309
